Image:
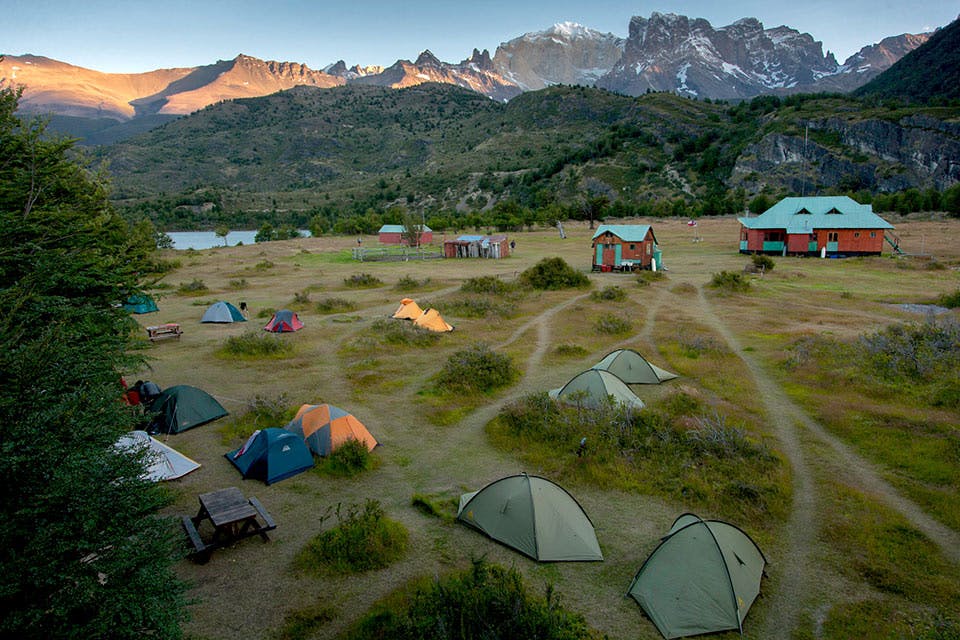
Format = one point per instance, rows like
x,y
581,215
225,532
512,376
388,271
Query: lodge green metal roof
x,y
626,232
804,215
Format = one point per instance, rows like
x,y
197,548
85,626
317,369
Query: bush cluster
x,y
950,300
192,288
476,369
568,350
402,333
485,601
554,273
644,278
335,305
254,344
612,293
729,282
761,261
362,281
486,284
406,283
261,412
475,307
349,459
363,539
613,325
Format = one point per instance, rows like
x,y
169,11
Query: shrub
x,y
476,368
950,300
239,284
335,305
263,265
406,283
303,624
402,333
266,312
362,281
363,539
485,601
568,350
254,344
260,412
445,508
645,278
193,288
552,274
349,459
613,325
729,282
486,284
301,298
612,293
478,308
762,262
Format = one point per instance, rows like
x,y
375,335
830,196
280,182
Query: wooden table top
x,y
225,506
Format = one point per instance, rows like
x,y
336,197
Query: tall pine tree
x,y
83,551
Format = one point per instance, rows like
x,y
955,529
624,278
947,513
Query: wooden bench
x,y
201,550
163,331
265,516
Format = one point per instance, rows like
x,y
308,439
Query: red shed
x,y
393,234
625,247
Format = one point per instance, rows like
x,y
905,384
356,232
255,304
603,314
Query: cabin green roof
x,y
626,232
803,215
398,228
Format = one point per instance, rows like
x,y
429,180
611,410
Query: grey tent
x,y
163,462
633,368
222,312
702,578
183,407
534,516
593,387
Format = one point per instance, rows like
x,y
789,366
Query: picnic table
x,y
232,516
162,331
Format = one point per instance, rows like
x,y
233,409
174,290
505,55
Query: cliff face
x,y
875,154
566,53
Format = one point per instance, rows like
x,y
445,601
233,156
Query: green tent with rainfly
x,y
633,368
702,578
140,303
593,387
534,516
183,407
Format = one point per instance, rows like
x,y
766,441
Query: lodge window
x,y
649,247
856,234
633,247
743,235
873,234
833,236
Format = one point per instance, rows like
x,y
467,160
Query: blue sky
x,y
127,37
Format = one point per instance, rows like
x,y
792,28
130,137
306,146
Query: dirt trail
x,y
797,571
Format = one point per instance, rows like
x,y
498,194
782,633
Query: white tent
x,y
165,463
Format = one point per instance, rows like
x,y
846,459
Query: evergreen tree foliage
x,y
82,550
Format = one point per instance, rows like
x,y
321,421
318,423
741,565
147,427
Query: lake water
x,y
208,239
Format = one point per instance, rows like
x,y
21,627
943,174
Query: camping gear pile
x,y
609,379
429,319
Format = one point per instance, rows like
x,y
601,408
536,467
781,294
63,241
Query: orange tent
x,y
409,310
432,320
325,427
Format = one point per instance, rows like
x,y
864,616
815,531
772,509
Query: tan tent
x,y
431,320
409,310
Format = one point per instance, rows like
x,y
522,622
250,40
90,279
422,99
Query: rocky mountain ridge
x,y
665,52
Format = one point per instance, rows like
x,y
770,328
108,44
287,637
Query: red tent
x,y
284,320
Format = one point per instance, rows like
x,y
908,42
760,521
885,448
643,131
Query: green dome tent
x,y
271,455
592,387
140,303
633,368
534,516
183,407
702,578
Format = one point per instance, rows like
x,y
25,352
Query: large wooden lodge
x,y
827,226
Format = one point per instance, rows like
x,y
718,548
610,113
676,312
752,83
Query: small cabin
x,y
468,246
394,234
828,226
625,247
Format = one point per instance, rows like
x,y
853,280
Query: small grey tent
x,y
534,516
633,368
702,578
183,407
163,462
593,387
222,312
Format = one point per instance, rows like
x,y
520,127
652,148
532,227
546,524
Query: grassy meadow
x,y
778,423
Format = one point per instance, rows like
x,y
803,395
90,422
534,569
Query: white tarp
x,y
165,463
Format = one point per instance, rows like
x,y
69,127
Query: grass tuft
x,y
363,539
253,345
